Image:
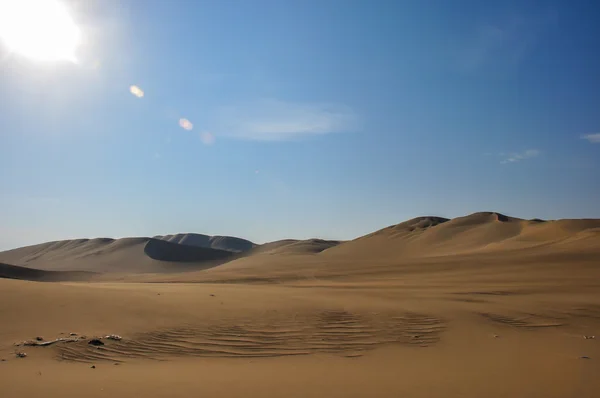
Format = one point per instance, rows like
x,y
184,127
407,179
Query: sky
x,y
295,119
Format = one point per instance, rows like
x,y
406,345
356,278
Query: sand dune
x,y
486,234
478,232
127,255
482,305
168,251
227,243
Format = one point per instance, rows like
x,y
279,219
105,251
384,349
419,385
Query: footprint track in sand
x,y
332,331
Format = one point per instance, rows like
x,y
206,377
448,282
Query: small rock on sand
x,y
20,354
93,366
39,338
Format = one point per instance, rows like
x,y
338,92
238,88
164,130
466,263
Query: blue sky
x,y
310,118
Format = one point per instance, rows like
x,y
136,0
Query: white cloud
x,y
593,138
518,156
274,120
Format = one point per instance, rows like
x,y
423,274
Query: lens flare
x,y
135,90
186,124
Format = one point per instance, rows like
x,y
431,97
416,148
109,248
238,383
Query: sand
x,y
480,306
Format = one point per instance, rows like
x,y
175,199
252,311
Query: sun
x,y
39,29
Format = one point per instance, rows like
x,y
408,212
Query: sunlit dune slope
x,y
475,233
293,246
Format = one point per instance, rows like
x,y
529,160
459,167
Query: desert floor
x,y
480,308
343,339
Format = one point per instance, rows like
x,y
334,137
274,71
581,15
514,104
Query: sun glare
x,y
39,29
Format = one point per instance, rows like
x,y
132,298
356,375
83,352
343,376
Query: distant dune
x,y
162,250
227,243
478,232
127,255
484,233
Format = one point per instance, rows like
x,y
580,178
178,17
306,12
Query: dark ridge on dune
x,y
310,246
231,243
102,241
414,224
421,223
502,217
227,243
163,250
537,220
9,271
323,241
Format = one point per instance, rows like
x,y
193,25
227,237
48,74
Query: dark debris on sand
x,y
96,342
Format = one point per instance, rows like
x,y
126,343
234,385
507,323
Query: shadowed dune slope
x,y
162,250
227,243
30,274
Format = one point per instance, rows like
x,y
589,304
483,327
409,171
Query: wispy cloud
x,y
593,138
275,120
503,44
207,138
518,156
